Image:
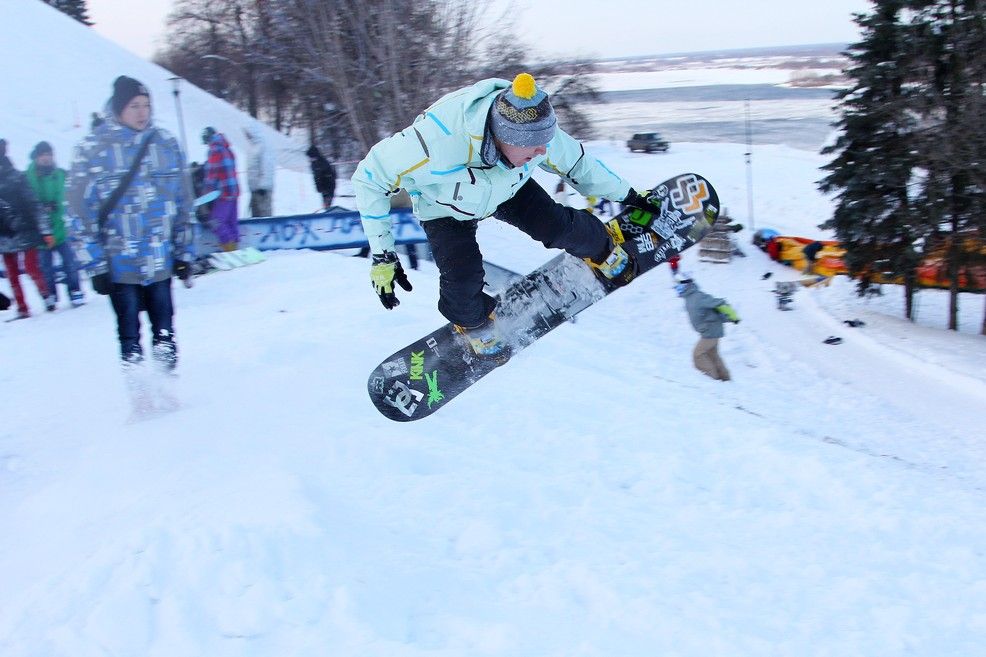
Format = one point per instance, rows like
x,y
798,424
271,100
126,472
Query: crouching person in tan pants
x,y
707,315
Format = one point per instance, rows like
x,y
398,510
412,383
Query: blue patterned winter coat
x,y
149,227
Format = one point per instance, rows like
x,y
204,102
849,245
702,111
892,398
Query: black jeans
x,y
128,301
461,298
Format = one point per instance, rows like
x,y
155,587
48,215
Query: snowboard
x,y
426,375
208,197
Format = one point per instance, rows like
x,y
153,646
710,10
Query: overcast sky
x,y
610,28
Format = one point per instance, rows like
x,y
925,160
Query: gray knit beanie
x,y
522,114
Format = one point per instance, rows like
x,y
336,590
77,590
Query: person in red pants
x,y
22,230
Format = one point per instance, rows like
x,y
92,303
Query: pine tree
x,y
874,217
75,8
950,73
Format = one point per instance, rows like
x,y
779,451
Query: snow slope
x,y
595,496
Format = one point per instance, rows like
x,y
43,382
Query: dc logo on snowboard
x,y
404,399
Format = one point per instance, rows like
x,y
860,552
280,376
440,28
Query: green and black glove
x,y
727,311
642,201
386,269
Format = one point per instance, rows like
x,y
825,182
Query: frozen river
x,y
801,118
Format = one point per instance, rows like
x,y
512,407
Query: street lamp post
x,y
176,81
749,170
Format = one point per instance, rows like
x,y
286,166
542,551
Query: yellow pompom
x,y
524,86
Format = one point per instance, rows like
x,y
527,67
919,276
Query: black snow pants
x,y
461,299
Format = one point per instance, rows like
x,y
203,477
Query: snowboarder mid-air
x,y
470,156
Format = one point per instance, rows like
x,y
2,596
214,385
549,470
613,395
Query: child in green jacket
x,y
48,183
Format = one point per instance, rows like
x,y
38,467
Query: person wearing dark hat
x,y
707,315
24,229
131,197
324,174
470,156
48,183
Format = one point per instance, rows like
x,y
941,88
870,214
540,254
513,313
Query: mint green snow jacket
x,y
447,162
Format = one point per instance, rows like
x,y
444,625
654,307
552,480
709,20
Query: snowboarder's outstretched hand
x,y
641,201
386,269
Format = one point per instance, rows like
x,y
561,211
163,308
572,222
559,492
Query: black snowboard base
x,y
425,376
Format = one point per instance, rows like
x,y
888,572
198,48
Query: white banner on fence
x,y
324,230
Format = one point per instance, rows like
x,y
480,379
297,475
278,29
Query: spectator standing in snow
x,y
48,183
23,229
130,194
220,174
707,315
324,174
260,174
197,173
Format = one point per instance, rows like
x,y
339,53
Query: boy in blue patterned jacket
x,y
145,236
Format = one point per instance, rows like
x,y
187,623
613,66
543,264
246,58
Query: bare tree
x,y
348,71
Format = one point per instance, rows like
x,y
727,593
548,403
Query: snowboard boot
x,y
614,267
484,341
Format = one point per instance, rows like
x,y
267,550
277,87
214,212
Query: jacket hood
x,y
476,101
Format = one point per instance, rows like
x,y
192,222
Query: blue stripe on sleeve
x,y
607,168
441,125
452,170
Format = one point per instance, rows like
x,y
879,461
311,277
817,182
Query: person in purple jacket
x,y
220,174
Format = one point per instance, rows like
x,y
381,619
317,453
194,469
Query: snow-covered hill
x,y
56,72
596,496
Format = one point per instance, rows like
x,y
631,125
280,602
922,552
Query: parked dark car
x,y
648,142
